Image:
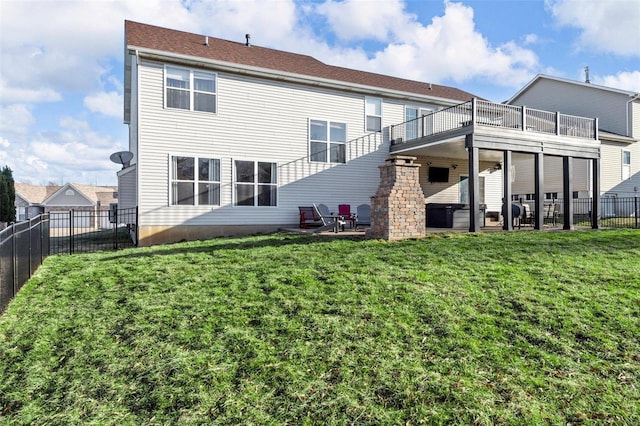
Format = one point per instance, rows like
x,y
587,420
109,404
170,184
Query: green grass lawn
x,y
498,328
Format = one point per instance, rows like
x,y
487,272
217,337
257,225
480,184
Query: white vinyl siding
x,y
258,119
127,196
551,95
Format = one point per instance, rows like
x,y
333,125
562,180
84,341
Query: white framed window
x,y
327,141
626,165
550,195
195,181
464,189
255,183
189,89
373,114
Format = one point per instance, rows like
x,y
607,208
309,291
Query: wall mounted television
x,y
438,174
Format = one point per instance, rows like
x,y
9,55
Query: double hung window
x,y
195,181
327,141
373,112
191,90
256,183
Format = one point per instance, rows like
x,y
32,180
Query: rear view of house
x,y
231,138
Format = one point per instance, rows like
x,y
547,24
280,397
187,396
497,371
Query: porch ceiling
x,y
451,148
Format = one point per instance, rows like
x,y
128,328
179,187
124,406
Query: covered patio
x,y
480,132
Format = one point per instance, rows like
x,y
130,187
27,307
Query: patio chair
x,y
329,219
344,210
527,216
363,215
309,216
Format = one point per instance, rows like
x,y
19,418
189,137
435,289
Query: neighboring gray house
x,y
618,112
230,138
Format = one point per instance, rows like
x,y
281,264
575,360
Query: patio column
x,y
539,190
567,192
507,214
474,186
595,205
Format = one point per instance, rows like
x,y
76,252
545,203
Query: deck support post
x,y
539,190
474,185
507,214
567,192
595,205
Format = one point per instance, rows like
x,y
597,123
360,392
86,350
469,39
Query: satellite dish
x,y
121,157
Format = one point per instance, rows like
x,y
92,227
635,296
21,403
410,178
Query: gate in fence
x,y
80,231
23,247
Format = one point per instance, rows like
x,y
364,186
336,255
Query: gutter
x,y
252,71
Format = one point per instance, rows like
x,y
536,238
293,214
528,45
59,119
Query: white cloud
x,y
107,103
605,26
4,143
623,80
15,119
357,20
450,48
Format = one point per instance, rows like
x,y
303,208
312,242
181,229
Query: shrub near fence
x,y
23,247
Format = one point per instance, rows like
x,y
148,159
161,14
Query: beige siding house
x,y
230,138
32,200
618,112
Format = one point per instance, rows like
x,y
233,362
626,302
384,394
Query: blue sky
x,y
61,64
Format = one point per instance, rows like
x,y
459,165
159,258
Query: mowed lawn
x,y
497,328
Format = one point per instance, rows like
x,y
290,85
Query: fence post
x,y
14,279
71,231
637,200
115,228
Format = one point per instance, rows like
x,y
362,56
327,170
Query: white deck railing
x,y
483,113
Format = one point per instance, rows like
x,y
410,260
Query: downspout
x,y
633,97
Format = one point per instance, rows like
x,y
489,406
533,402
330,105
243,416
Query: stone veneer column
x,y
398,207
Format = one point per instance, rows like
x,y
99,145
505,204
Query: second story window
x,y
190,90
373,112
327,141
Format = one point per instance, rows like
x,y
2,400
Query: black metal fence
x,y
23,247
615,212
81,231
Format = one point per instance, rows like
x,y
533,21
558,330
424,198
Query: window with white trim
x,y
626,165
327,141
190,89
195,181
255,183
373,113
